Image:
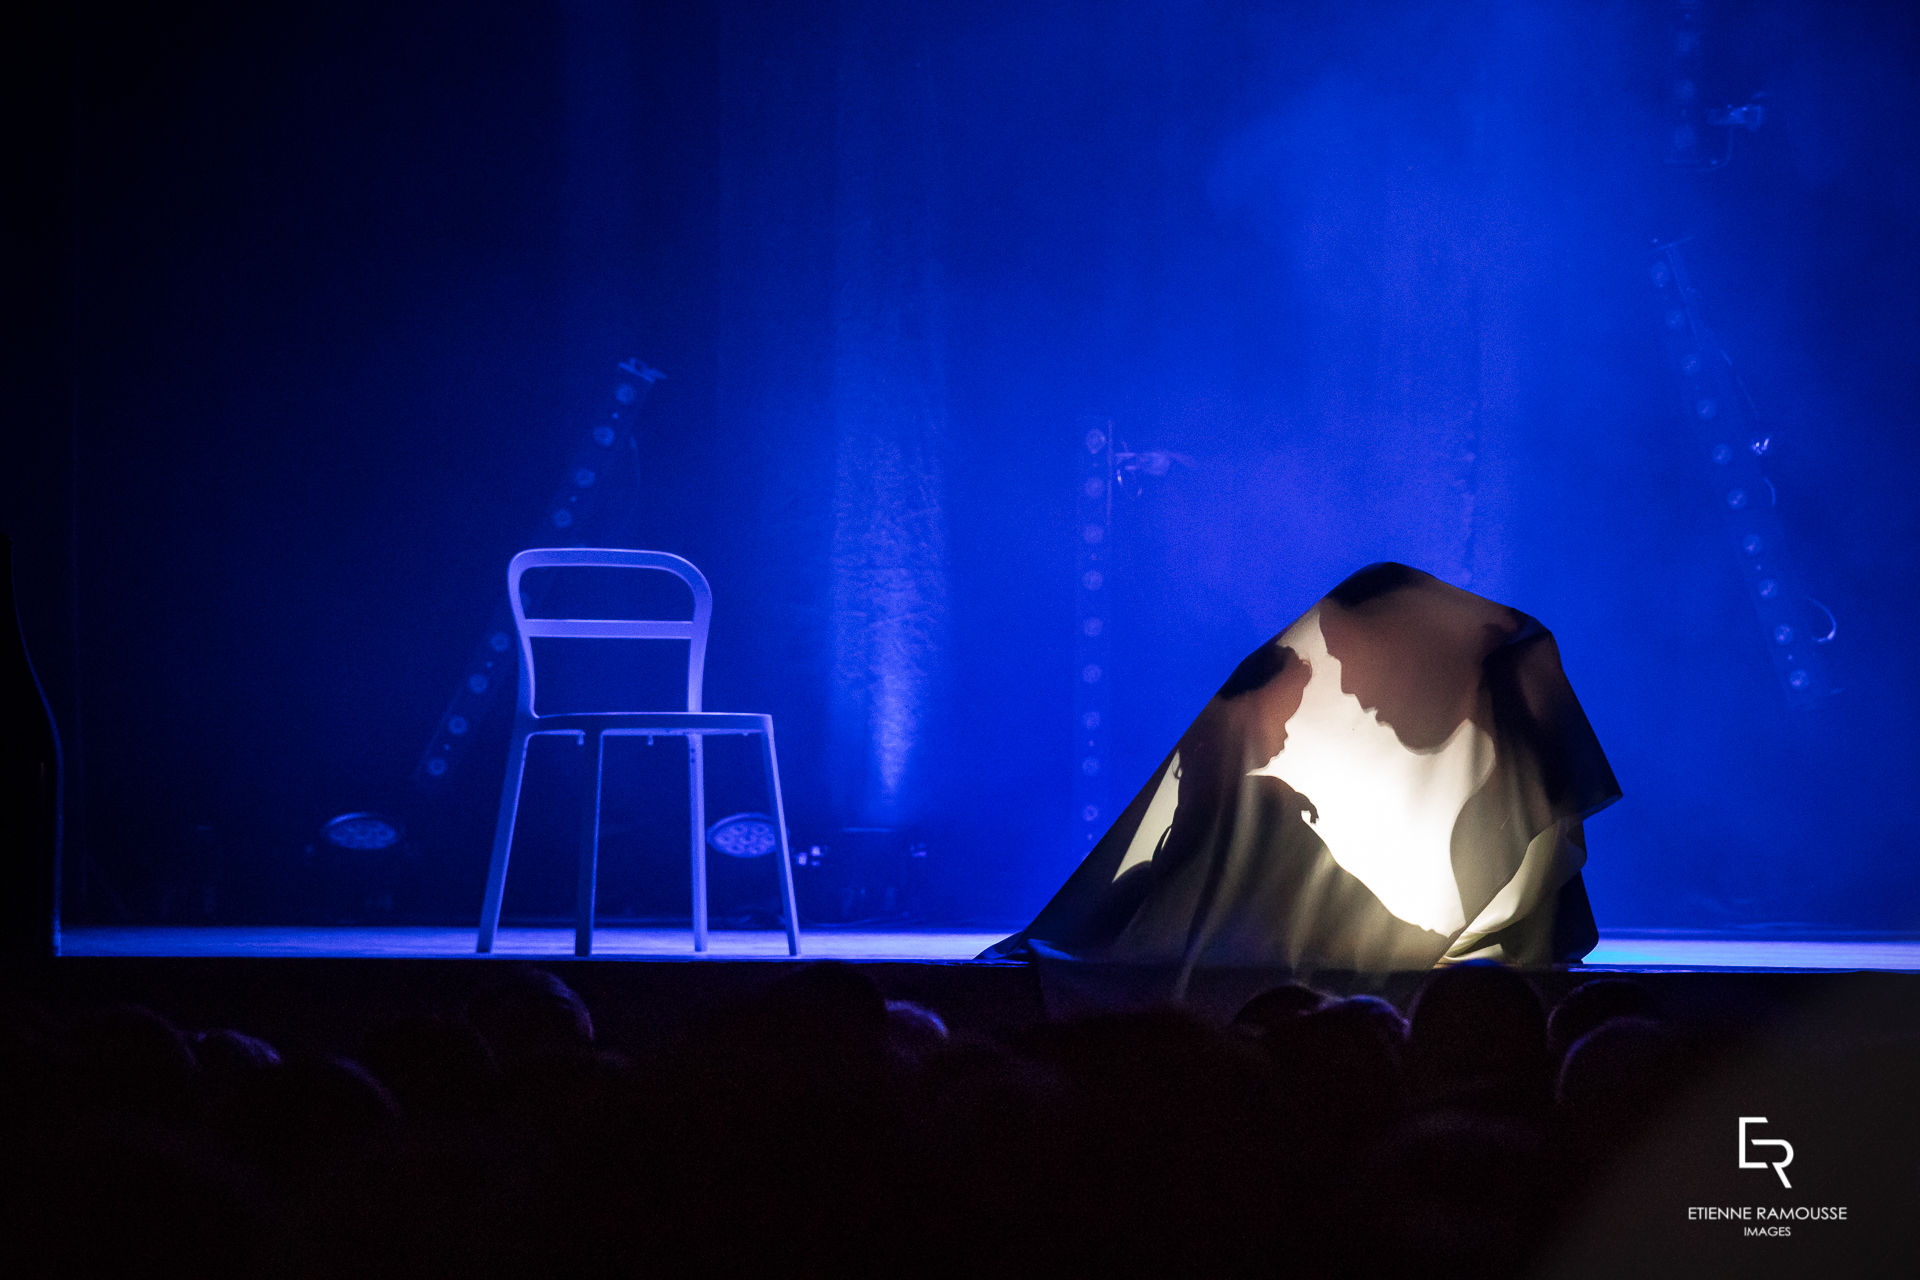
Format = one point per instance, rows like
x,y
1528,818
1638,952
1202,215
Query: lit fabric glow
x,y
1341,754
1397,779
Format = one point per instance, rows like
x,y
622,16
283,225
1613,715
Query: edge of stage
x,y
1626,950
323,987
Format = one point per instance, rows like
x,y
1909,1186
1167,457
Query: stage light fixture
x,y
363,831
1724,424
1094,519
743,835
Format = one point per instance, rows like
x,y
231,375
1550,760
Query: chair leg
x,y
697,800
502,843
589,847
780,850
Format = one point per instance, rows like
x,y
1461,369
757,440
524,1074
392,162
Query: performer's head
x,y
1410,648
1261,696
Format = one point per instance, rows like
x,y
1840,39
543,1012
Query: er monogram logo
x,y
1778,1166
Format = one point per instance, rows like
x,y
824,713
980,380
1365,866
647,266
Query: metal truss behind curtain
x,y
889,564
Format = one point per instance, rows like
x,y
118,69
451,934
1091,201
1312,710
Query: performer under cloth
x,y
1396,780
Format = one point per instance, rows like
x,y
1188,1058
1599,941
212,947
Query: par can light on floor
x,y
743,835
367,831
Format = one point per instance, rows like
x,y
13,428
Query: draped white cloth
x,y
1396,780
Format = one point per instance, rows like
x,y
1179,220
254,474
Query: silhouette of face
x,y
1262,713
1413,654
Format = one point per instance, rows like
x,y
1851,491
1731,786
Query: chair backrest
x,y
693,630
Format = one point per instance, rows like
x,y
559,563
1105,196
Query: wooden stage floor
x,y
1631,951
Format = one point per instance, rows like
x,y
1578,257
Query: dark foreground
x,y
427,1118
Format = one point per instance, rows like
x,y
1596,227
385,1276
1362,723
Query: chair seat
x,y
650,722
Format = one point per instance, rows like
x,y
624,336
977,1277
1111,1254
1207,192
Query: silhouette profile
x,y
1398,778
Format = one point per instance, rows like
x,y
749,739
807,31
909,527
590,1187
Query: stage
x,y
1628,951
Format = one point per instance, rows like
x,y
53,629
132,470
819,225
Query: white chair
x,y
590,729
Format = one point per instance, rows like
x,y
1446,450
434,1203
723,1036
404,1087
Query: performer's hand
x,y
1292,801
